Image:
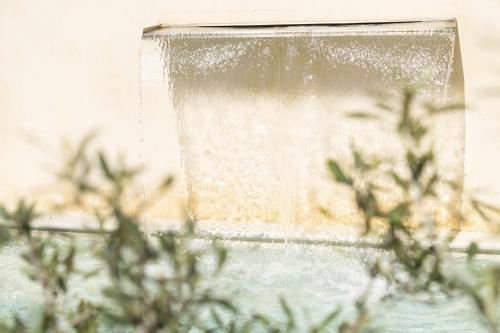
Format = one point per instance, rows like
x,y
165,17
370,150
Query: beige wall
x,y
67,67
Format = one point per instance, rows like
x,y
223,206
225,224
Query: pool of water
x,y
313,279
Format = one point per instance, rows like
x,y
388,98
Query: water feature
x,y
259,109
314,279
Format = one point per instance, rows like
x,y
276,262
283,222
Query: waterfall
x,y
259,109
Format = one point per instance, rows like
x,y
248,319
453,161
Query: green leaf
x,y
472,250
479,208
105,167
361,163
221,258
362,115
4,235
409,94
326,212
398,214
167,182
337,172
404,184
91,273
4,214
452,107
486,206
417,130
288,312
218,320
323,325
85,142
385,107
227,305
429,188
417,164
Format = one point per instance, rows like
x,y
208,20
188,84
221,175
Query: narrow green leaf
x,y
404,184
326,212
472,250
398,214
362,115
385,107
288,312
105,167
452,107
479,209
323,325
167,182
337,172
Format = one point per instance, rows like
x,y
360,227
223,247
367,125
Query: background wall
x,y
70,66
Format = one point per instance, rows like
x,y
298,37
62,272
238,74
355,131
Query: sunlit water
x,y
258,110
314,280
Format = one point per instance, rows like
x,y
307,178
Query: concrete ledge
x,y
259,232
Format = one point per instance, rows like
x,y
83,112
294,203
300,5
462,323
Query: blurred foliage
x,y
419,250
49,263
152,283
161,283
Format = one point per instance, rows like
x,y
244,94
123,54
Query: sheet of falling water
x,y
258,112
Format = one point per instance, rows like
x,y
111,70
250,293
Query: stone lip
x,y
436,23
270,233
